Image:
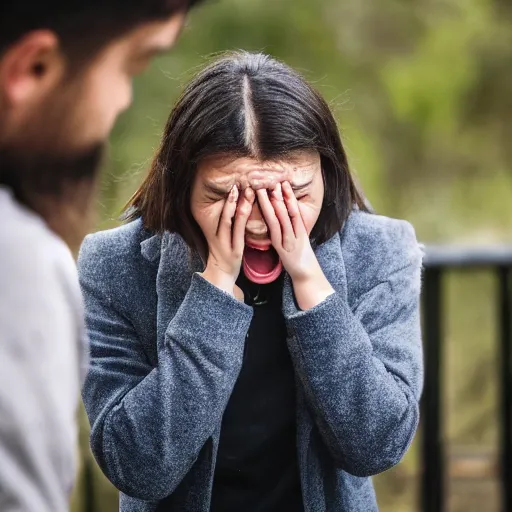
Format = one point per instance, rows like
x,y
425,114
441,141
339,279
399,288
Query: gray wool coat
x,y
167,347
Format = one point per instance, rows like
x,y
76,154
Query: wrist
x,y
311,288
219,279
310,273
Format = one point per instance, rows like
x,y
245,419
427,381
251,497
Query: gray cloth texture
x,y
167,347
43,356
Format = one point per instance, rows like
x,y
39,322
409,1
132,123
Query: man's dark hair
x,y
82,26
211,118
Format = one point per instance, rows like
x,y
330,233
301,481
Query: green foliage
x,y
422,92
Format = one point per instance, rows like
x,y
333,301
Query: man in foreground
x,y
65,74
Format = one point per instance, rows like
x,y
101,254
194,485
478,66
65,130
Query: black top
x,y
256,468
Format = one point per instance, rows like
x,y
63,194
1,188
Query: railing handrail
x,y
468,256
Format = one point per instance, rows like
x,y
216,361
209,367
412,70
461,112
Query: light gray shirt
x,y
42,360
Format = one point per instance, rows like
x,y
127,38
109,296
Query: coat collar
x,y
155,246
150,248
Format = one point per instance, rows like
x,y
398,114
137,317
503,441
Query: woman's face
x,y
217,175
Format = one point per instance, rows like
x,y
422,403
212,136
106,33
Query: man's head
x,y
66,72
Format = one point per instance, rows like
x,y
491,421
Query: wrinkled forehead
x,y
225,171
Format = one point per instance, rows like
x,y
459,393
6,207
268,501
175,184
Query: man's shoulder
x,y
40,300
29,248
40,324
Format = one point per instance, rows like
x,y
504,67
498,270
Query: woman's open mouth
x,y
261,265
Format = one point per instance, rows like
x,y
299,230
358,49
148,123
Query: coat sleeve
x,y
148,424
361,366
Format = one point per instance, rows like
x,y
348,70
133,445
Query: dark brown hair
x,y
239,94
83,26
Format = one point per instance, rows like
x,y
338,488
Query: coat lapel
x,y
176,265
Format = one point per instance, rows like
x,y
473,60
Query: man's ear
x,y
30,67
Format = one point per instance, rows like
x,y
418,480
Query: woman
x,y
255,335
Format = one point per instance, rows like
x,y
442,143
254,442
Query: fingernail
x,y
234,193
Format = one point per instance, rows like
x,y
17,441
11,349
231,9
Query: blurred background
x,y
422,90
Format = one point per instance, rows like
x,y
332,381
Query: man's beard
x,y
28,172
58,187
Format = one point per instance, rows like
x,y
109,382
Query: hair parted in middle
x,y
244,105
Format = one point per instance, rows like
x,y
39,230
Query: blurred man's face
x,y
54,120
106,86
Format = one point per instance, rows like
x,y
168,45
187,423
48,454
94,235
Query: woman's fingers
x,y
270,216
281,211
242,216
226,217
292,206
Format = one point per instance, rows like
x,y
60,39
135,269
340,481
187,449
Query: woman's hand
x,y
291,241
226,247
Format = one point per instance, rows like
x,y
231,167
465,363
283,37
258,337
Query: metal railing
x,y
438,261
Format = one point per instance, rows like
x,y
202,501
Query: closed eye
x,y
215,198
215,193
300,191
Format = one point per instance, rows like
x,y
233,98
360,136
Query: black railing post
x,y
432,492
505,332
